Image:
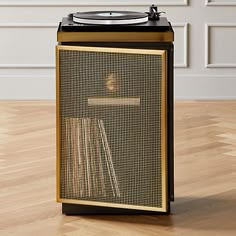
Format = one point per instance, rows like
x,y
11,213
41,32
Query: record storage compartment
x,y
115,127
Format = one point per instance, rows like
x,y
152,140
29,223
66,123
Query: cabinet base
x,y
76,209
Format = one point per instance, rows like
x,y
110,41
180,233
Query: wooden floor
x,y
205,177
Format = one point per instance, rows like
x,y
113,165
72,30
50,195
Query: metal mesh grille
x,y
110,151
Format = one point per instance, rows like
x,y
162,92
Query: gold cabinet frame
x,y
163,55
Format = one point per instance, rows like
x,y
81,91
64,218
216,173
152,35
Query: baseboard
x,y
186,87
27,88
205,87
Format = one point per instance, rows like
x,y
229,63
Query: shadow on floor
x,y
216,212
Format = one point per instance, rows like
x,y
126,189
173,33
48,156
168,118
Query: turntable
x,y
115,113
118,21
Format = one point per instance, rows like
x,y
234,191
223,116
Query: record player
x,y
115,113
153,27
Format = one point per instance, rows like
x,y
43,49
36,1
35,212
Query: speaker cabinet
x,y
115,123
112,127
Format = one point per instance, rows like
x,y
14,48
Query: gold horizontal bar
x,y
111,50
114,205
114,101
115,36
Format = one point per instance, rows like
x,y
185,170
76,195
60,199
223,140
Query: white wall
x,y
205,39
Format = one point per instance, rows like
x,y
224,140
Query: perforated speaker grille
x,y
111,131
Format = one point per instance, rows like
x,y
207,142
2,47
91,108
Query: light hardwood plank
x,y
205,176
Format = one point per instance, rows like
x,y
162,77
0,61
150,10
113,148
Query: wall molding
x,y
27,66
52,25
220,3
207,47
185,63
25,76
27,25
94,4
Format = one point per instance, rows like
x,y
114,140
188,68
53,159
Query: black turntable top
x,y
161,25
118,21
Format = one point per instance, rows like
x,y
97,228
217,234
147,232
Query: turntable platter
x,y
110,17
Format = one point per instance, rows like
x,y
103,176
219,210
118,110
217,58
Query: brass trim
x,y
114,205
163,55
111,50
164,130
115,36
57,126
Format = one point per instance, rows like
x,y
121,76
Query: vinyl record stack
x,y
90,157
